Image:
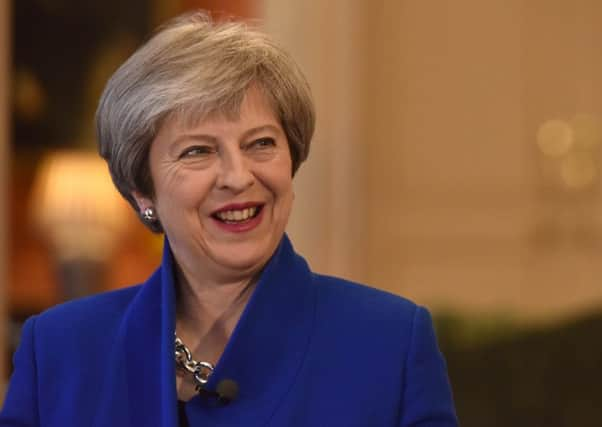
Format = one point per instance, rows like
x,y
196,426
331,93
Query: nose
x,y
234,172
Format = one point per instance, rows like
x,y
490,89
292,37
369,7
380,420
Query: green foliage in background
x,y
507,374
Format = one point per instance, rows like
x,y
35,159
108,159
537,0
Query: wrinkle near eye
x,y
169,172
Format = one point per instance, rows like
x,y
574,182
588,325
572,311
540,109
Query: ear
x,y
142,201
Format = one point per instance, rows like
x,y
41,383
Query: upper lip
x,y
236,207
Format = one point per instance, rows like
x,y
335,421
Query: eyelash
x,y
261,142
196,151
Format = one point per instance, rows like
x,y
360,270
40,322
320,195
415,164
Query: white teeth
x,y
237,215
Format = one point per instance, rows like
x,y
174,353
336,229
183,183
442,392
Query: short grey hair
x,y
195,67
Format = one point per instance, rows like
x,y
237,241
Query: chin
x,y
244,266
246,257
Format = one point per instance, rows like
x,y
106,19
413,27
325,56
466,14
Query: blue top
x,y
308,350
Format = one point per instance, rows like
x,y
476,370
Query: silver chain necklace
x,y
200,371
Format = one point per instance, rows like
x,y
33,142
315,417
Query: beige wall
x,y
322,37
4,165
425,178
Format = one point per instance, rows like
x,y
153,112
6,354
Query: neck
x,y
210,299
210,308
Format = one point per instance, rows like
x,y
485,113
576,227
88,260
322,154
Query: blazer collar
x,y
264,353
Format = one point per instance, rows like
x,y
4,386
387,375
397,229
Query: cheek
x,y
281,178
183,190
283,190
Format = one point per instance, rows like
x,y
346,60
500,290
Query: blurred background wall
x,y
457,148
456,162
5,61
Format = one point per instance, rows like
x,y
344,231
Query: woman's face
x,y
223,189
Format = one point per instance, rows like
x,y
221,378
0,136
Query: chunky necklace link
x,y
200,371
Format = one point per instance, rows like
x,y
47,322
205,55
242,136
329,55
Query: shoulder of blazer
x,y
356,303
357,293
85,318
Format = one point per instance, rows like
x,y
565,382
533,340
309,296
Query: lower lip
x,y
240,227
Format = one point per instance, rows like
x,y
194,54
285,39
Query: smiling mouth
x,y
237,216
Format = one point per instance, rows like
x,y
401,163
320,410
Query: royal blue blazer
x,y
308,351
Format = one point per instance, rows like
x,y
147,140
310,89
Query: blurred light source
x,y
578,170
29,96
76,206
555,138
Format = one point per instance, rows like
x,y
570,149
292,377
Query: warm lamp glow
x,y
555,138
578,170
77,207
571,149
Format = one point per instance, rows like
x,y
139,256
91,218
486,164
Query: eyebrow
x,y
260,129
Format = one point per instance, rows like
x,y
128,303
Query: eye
x,y
196,151
263,143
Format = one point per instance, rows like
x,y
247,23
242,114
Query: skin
x,y
196,170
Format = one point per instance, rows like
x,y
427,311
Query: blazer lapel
x,y
140,387
266,350
264,353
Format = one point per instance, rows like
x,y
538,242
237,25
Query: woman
x,y
203,129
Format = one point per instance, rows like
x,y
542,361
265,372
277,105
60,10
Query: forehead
x,y
252,103
253,111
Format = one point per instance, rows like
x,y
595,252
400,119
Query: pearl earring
x,y
149,215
